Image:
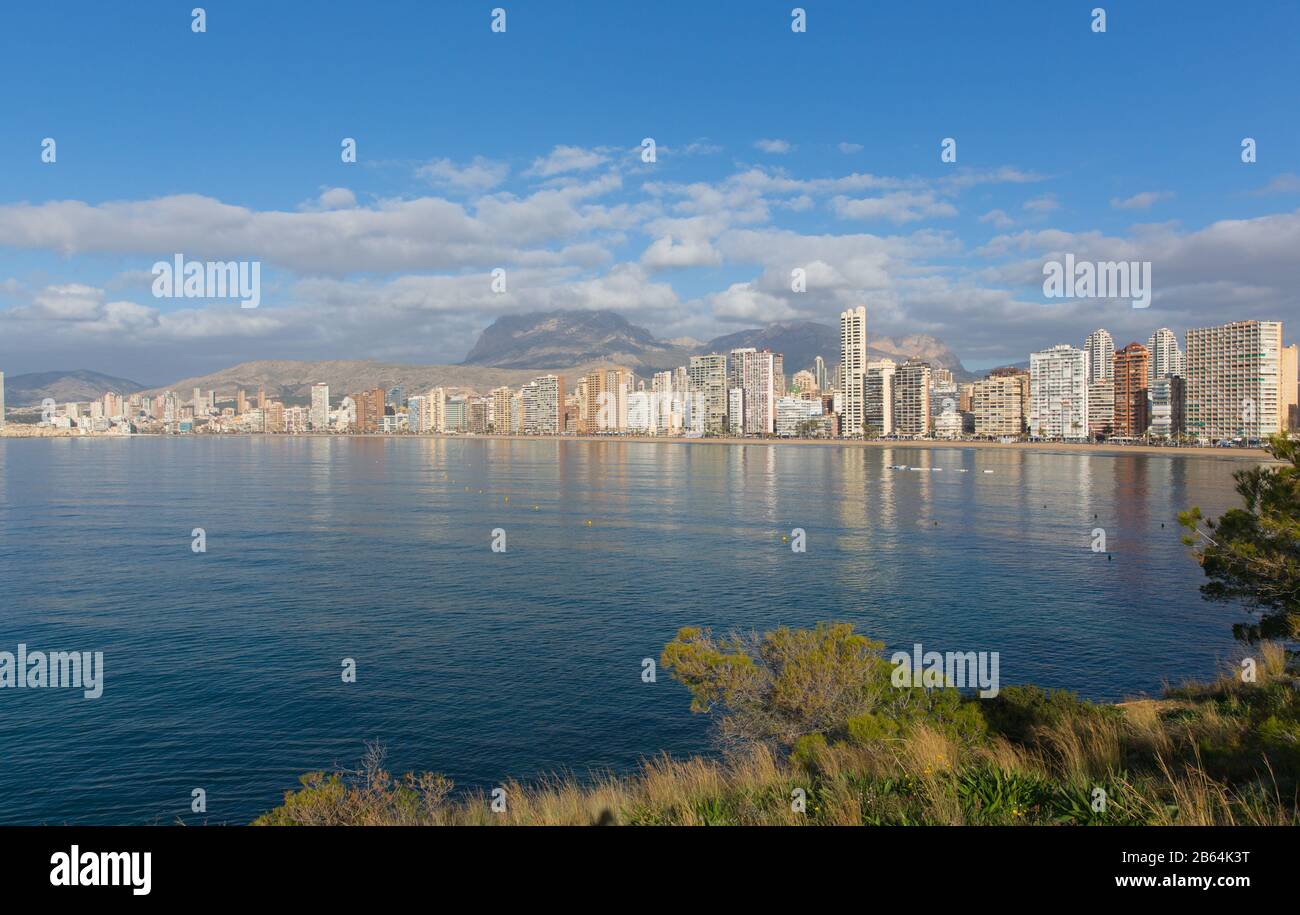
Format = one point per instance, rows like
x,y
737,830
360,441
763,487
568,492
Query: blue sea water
x,y
222,669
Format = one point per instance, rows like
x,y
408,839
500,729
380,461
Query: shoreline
x,y
1255,454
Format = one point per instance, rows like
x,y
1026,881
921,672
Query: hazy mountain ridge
x,y
511,351
569,338
63,386
288,379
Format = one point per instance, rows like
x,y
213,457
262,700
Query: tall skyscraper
x,y
1168,406
853,366
822,375
1132,365
369,410
912,398
501,410
546,416
878,397
604,400
759,374
1234,379
1058,393
1288,398
320,407
1100,349
999,403
707,376
1166,355
1101,408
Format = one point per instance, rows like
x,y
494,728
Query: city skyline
x,y
1235,383
391,257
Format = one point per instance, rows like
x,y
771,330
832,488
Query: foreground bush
x,y
816,734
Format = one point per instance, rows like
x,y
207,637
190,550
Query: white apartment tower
x,y
1100,349
1234,375
853,366
320,407
1166,355
1058,393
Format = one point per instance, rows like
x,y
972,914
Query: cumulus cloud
x,y
477,176
1044,203
1141,201
898,207
775,147
663,253
408,278
998,218
564,159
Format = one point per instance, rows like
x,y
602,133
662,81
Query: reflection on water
x,y
222,669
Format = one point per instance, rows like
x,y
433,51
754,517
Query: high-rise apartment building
x,y
1234,377
1101,408
1100,349
544,406
853,366
1166,355
1168,406
707,376
1058,393
320,407
912,398
369,410
759,374
878,397
501,410
1288,398
822,375
604,405
999,403
1132,364
736,411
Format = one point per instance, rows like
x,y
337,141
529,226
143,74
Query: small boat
x,y
988,471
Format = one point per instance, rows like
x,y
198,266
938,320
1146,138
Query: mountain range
x,y
570,338
63,387
511,351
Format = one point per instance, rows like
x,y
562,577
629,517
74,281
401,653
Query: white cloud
x,y
1285,183
1141,201
663,253
849,148
998,218
563,159
897,207
331,198
1044,203
776,147
478,175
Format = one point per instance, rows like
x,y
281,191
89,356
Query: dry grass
x,y
1193,759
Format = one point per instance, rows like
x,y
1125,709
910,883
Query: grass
x,y
1220,753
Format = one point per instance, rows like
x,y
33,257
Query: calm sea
x,y
222,669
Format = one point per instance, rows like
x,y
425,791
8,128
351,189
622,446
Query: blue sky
x,y
518,150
